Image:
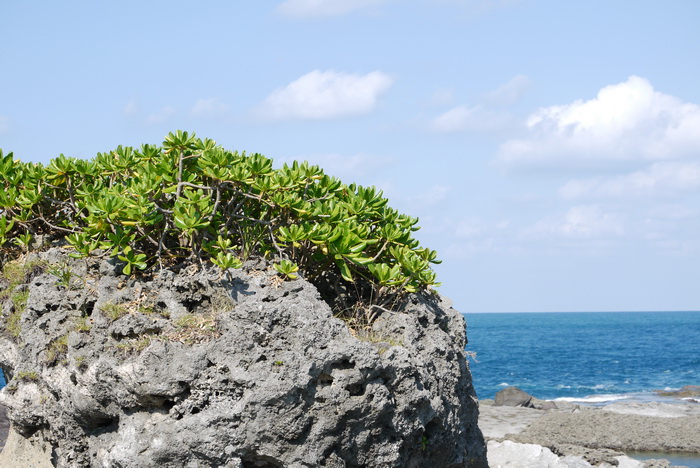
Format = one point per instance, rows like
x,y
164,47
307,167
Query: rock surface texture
x,y
581,436
188,369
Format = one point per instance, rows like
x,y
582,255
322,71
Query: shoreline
x,y
574,433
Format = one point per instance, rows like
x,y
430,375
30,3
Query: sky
x,y
550,149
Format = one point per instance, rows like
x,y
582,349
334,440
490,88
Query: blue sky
x,y
551,149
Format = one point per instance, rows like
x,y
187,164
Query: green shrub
x,y
191,199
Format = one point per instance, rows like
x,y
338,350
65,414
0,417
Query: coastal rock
x,y
690,392
544,405
588,434
194,369
508,454
617,431
593,456
513,396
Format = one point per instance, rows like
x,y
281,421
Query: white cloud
x,y
479,117
580,222
322,95
161,116
626,122
470,119
510,92
659,179
209,108
323,8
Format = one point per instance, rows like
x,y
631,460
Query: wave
x,y
594,398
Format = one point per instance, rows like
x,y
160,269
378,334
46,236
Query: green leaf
x,y
287,268
344,269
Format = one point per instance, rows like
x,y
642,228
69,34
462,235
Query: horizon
x,y
551,150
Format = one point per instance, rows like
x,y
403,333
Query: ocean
x,y
588,358
594,358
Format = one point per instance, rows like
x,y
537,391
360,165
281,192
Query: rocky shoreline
x,y
522,431
565,435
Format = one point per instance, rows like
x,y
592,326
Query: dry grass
x,y
194,328
57,349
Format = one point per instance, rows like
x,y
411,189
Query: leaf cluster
x,y
191,199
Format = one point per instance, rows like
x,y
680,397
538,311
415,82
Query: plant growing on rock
x,y
57,349
192,200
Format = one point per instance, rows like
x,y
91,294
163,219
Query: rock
x,y
544,405
4,426
593,456
658,464
508,454
624,432
497,422
688,391
32,452
193,369
513,396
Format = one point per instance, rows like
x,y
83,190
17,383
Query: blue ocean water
x,y
598,357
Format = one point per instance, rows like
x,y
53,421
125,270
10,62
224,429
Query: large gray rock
x,y
513,396
189,369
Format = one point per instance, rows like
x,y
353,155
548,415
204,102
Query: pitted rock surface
x,y
195,369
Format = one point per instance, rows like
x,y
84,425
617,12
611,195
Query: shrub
x,y
192,200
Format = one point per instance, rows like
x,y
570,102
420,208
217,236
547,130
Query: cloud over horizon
x,y
660,179
325,95
628,122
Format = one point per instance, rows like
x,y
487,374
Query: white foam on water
x,y
593,398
